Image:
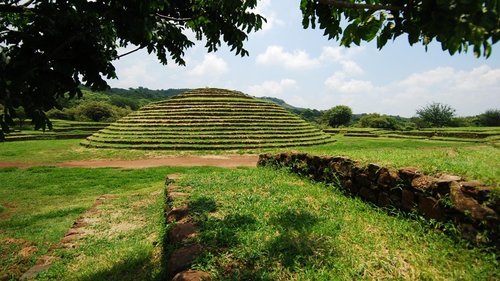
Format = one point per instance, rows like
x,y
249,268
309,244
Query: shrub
x,y
490,118
436,114
338,115
375,120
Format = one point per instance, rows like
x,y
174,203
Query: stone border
x,y
181,230
446,198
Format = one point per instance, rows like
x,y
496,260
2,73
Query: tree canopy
x,y
49,48
457,25
436,114
338,115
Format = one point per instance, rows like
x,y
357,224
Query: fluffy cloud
x,y
273,88
469,92
210,66
264,9
276,55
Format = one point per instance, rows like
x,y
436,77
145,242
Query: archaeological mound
x,y
208,119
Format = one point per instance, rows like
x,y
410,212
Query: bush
x,y
338,115
375,120
436,114
490,118
98,111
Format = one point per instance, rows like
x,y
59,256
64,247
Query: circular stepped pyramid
x,y
208,119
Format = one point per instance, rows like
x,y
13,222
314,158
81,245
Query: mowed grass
x,y
256,223
474,161
262,224
41,204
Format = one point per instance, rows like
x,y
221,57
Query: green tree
x,y
490,117
436,114
457,25
49,48
375,120
338,115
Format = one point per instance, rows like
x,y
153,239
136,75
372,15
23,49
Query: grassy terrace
x,y
195,120
269,226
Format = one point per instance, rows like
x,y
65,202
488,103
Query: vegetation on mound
x,y
195,119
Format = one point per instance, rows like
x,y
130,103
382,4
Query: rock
x,y
407,200
182,258
387,178
448,178
408,174
468,205
383,199
361,180
429,207
470,185
177,214
368,194
181,232
423,183
373,171
478,192
191,275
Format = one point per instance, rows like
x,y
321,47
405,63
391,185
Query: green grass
x,y
472,160
258,224
42,204
274,226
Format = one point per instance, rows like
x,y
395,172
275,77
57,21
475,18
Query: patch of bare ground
x,y
227,161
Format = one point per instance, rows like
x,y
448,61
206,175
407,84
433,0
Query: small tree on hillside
x,y
490,117
436,114
338,115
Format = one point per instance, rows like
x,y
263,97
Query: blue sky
x,y
306,70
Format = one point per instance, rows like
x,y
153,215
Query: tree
x,y
375,120
490,117
436,114
49,48
338,115
457,25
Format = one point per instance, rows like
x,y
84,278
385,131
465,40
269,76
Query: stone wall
x,y
470,205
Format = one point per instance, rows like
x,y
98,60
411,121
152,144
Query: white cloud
x,y
273,88
210,66
263,9
276,55
469,92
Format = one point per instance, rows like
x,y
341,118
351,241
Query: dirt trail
x,y
226,161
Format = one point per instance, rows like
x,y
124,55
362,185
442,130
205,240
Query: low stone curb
x,y
180,234
469,205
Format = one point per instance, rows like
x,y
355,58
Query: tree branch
x,y
360,6
130,52
172,18
5,8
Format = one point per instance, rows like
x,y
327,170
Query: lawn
x,y
474,161
261,224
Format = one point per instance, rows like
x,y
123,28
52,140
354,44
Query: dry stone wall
x,y
470,205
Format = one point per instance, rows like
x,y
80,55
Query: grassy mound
x,y
208,119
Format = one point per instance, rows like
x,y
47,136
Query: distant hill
x,y
145,93
281,103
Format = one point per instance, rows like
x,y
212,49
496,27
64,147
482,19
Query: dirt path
x,y
226,161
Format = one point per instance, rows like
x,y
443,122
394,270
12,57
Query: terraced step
x,y
208,119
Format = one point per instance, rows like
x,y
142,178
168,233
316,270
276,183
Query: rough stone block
x,y
408,174
468,205
430,208
407,200
424,183
387,178
368,194
384,200
181,232
191,275
182,258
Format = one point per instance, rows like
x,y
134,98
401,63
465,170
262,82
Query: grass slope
x,y
258,224
208,119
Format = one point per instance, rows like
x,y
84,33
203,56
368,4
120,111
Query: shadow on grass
x,y
292,246
134,268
